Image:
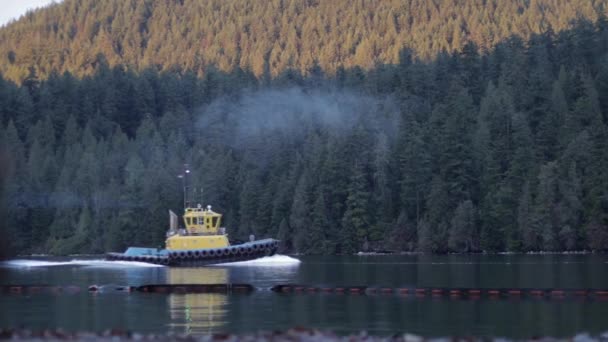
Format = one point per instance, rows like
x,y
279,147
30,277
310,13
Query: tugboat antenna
x,y
185,185
193,195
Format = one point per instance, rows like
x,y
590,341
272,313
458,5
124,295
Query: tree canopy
x,y
268,37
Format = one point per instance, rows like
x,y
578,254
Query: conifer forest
x,y
336,126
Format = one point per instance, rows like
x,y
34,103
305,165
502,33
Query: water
x,y
265,310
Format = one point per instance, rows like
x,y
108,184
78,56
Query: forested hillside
x,y
268,36
4,169
501,148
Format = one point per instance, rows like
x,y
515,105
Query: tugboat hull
x,y
199,257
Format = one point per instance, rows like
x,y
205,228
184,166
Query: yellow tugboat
x,y
202,242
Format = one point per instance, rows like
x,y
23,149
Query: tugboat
x,y
202,242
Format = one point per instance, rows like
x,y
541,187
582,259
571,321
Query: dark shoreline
x,y
361,253
294,334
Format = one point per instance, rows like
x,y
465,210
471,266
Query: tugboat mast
x,y
183,177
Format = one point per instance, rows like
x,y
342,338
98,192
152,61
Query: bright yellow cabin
x,y
202,221
202,230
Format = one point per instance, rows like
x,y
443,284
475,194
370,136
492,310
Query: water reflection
x,y
264,310
197,313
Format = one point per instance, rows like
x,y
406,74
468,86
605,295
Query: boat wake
x,y
26,263
271,261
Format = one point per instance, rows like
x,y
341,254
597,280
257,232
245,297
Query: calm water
x,y
381,315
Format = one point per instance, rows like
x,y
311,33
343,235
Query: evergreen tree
x,y
552,124
463,228
300,217
531,237
545,211
357,219
317,240
414,165
569,208
433,234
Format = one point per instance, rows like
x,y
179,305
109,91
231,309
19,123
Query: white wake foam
x,y
33,263
118,263
271,261
25,263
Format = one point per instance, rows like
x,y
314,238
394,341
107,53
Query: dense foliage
x,y
473,151
268,36
4,170
335,126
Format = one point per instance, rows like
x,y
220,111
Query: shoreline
x,y
360,253
291,335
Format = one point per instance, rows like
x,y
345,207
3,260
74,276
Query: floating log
x,y
447,292
415,292
196,288
150,288
34,289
